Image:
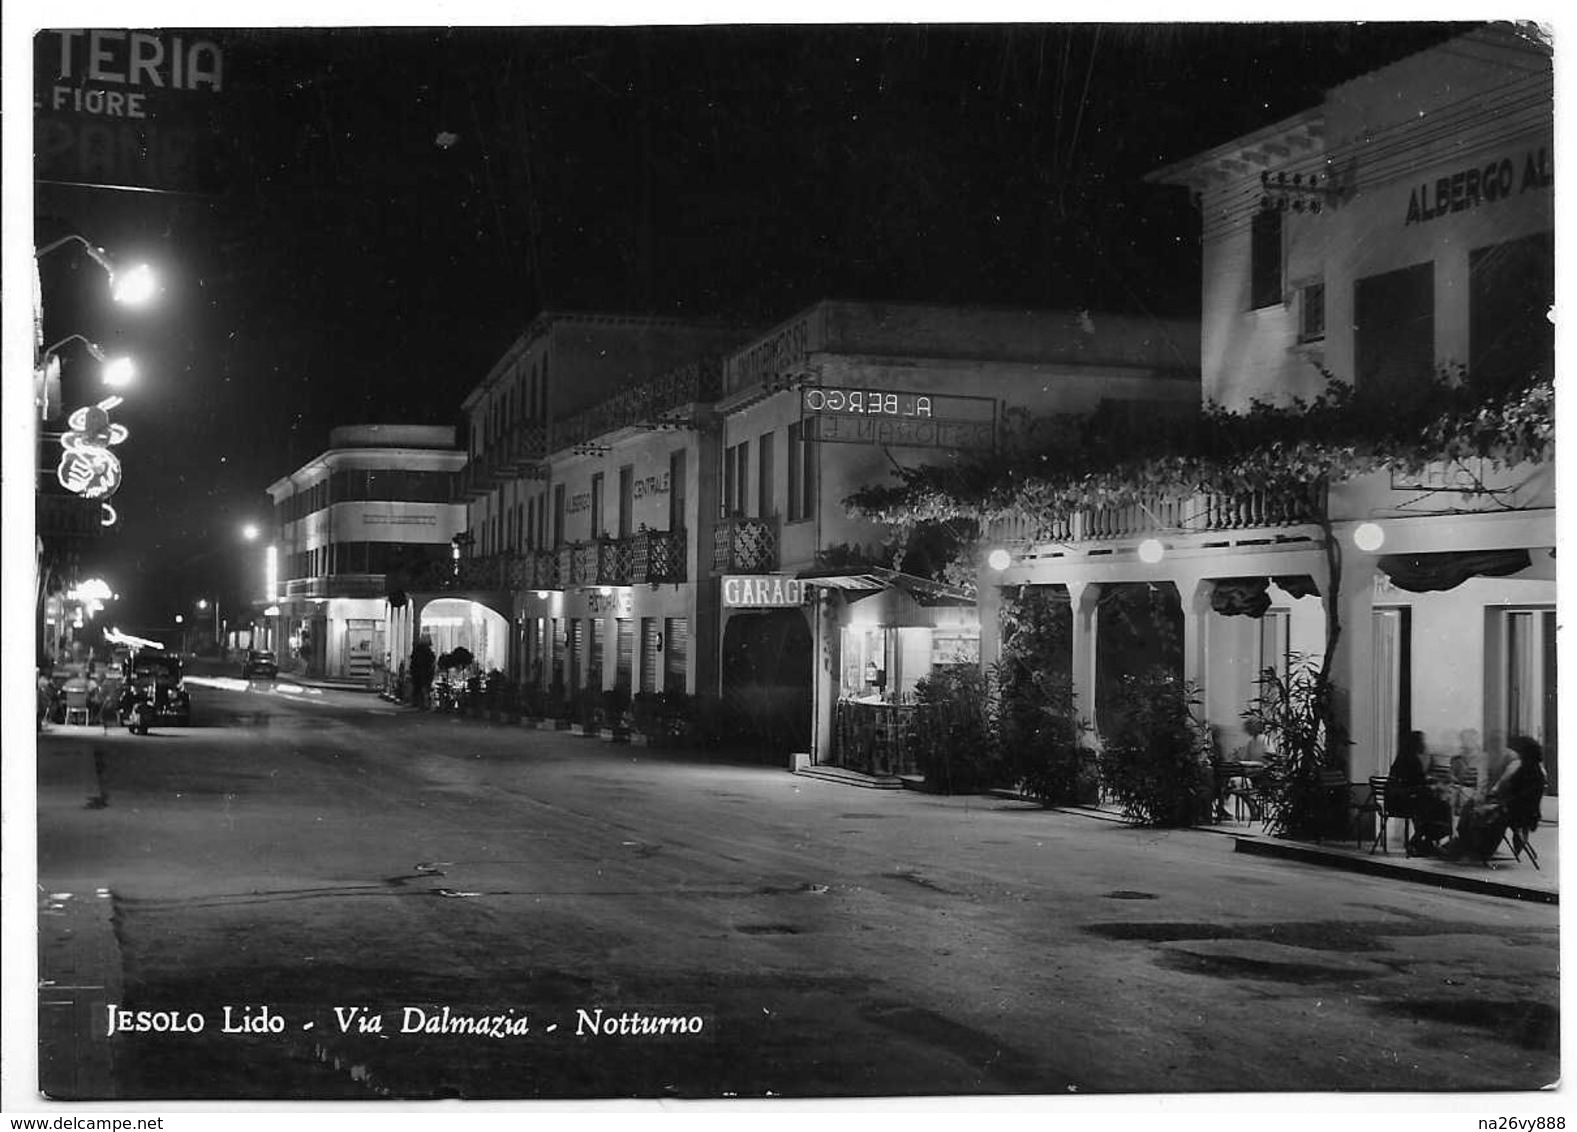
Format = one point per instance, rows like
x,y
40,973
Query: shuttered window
x,y
676,653
596,628
623,652
649,657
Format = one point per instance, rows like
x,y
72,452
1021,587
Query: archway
x,y
1138,627
451,623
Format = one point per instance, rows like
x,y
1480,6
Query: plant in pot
x,y
616,711
955,731
1041,737
1295,714
1155,762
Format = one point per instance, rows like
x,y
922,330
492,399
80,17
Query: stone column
x,y
1083,597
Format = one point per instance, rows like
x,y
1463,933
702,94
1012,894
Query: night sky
x,y
397,205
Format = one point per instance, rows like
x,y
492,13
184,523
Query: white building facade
x,y
373,506
1402,228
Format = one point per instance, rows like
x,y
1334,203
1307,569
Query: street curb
x,y
1460,881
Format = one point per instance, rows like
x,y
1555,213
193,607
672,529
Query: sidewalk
x,y
1504,875
79,962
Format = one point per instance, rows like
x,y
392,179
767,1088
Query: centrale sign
x,y
756,591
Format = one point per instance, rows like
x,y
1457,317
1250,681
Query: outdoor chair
x,y
1337,792
1375,804
77,705
1516,839
1243,789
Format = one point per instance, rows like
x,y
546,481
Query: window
x,y
1265,259
765,504
801,474
558,514
596,505
676,489
736,478
1511,287
649,654
626,499
596,630
1528,685
1275,642
1311,313
676,651
623,652
1394,316
531,522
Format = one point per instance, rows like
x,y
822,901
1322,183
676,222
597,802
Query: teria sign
x,y
756,591
127,109
898,419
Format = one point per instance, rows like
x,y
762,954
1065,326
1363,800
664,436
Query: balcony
x,y
644,405
1200,513
519,452
745,546
578,564
657,556
474,479
536,570
337,585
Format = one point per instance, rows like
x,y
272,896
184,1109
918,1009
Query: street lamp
x,y
202,603
117,372
250,532
131,286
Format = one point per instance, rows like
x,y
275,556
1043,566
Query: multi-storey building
x,y
822,638
372,508
527,495
1402,227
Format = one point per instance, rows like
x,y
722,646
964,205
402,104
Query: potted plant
x,y
1294,713
1156,761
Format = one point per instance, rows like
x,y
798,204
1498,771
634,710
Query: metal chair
x,y
1516,839
1375,804
77,704
1338,796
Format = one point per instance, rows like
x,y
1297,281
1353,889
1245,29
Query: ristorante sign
x,y
897,418
127,109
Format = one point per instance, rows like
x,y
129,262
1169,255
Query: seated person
x,y
1409,795
1511,802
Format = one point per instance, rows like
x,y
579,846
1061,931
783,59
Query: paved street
x,y
310,850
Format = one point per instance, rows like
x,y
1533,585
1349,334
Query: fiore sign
x,y
126,109
761,591
898,419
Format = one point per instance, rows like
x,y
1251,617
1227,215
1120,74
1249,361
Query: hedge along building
x,y
824,631
1403,226
371,507
518,505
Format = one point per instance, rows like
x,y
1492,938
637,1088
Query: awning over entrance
x,y
874,579
1427,573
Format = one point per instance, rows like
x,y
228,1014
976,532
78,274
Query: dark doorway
x,y
767,674
1138,627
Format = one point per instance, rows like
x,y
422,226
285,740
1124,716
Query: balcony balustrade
x,y
519,452
747,546
1198,513
643,404
658,556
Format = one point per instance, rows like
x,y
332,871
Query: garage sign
x,y
762,591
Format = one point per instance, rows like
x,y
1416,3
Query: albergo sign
x,y
1486,184
762,591
896,418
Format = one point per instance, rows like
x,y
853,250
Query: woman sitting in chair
x,y
1408,795
1511,803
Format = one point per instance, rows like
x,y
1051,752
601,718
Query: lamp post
x,y
131,286
203,603
117,372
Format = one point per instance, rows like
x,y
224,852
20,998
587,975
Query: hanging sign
x,y
897,419
762,591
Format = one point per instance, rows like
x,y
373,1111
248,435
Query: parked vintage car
x,y
259,664
153,691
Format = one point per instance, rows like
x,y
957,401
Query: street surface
x,y
300,851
